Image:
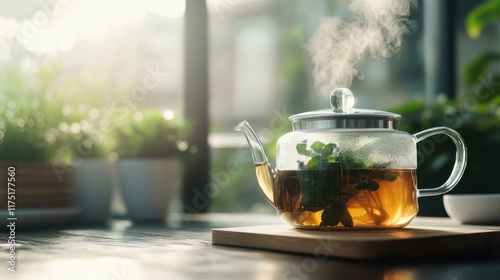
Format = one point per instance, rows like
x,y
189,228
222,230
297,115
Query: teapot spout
x,y
258,154
265,172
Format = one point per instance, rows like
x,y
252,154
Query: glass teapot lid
x,y
343,115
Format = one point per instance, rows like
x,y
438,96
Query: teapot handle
x,y
460,159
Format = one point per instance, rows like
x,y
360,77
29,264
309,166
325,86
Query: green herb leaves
x,y
335,214
368,180
388,176
320,153
370,185
313,162
333,177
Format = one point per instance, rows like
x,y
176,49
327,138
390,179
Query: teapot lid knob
x,y
341,100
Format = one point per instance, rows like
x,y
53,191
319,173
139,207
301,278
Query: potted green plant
x,y
33,145
150,150
40,183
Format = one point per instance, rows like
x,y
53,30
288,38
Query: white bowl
x,y
473,208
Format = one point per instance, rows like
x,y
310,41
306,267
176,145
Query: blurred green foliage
x,y
478,68
149,134
38,122
481,16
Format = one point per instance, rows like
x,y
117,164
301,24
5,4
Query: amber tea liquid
x,y
342,199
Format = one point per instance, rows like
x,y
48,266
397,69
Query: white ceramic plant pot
x,y
147,186
93,188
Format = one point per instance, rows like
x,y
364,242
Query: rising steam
x,y
339,47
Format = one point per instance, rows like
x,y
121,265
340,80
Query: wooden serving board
x,y
424,237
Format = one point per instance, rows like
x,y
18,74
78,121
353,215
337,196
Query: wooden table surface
x,y
182,249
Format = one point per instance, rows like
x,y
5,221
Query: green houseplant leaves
x,y
481,16
151,136
477,19
322,186
478,68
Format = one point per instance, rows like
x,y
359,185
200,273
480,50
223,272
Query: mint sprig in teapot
x,y
347,168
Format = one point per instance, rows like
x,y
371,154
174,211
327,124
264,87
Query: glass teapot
x,y
347,168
